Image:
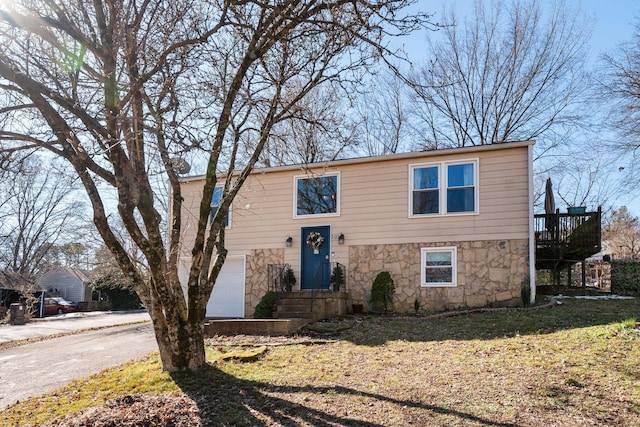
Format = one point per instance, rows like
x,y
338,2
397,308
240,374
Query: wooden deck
x,y
565,239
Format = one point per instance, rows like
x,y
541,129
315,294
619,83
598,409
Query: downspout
x,y
532,248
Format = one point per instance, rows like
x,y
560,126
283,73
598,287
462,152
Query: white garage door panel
x,y
227,298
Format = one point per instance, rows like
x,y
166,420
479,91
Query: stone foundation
x,y
489,273
256,278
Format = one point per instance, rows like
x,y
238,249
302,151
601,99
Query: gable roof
x,y
86,276
15,282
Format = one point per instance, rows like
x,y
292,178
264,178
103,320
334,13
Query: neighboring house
x,y
454,228
70,283
13,288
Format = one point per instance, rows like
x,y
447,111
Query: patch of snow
x,y
594,297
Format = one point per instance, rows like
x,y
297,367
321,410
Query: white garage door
x,y
227,298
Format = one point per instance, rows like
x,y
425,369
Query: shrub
x,y
120,294
337,278
266,306
625,277
382,292
289,279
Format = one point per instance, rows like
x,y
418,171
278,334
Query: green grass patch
x,y
144,377
574,364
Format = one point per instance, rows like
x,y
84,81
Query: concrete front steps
x,y
305,305
271,327
293,312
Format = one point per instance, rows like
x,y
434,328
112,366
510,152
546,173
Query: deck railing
x,y
570,236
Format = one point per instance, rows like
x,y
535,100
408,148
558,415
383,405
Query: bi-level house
x,y
453,227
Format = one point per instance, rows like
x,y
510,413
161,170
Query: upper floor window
x,y
426,195
461,188
444,188
317,195
215,202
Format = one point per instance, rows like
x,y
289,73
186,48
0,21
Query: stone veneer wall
x,y
257,279
489,273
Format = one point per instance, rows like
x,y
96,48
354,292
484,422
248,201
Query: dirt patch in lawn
x,y
137,411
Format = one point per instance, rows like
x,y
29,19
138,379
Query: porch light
x,y
289,241
341,239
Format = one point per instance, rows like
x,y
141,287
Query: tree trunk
x,y
180,341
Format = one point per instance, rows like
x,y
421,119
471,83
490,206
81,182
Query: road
x,y
36,368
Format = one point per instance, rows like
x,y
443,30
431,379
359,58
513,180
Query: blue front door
x,y
315,263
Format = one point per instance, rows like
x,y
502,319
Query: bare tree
x,y
38,211
332,123
506,73
584,173
318,129
621,84
69,254
121,89
622,233
384,117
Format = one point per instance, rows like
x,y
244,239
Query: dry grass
x,y
576,364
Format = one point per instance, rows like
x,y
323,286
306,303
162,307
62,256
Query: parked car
x,y
58,305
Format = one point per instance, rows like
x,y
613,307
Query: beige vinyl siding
x,y
374,205
504,197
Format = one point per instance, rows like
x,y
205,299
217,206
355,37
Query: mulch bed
x,y
137,411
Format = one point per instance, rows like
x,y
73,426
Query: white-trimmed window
x,y
443,188
317,195
215,202
439,266
426,190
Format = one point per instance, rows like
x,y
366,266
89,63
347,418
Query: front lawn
x,y
570,365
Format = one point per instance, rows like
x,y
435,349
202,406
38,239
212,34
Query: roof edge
x,y
386,157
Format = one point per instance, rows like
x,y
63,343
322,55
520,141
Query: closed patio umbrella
x,y
550,209
549,201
